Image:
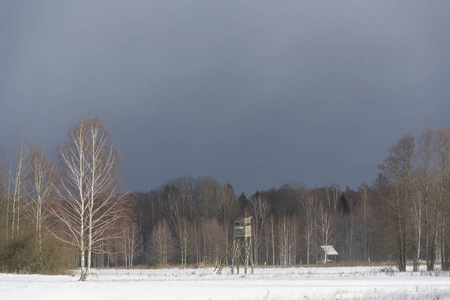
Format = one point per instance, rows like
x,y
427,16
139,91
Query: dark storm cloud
x,y
253,93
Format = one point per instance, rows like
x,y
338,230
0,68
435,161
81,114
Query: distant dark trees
x,y
199,214
289,224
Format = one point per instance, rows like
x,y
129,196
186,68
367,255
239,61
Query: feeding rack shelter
x,y
329,251
241,252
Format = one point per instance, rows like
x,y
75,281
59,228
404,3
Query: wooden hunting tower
x,y
243,228
241,251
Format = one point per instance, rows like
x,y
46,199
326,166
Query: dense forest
x,y
71,211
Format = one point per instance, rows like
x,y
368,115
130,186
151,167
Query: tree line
x,y
72,212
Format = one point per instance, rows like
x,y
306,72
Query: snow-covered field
x,y
268,283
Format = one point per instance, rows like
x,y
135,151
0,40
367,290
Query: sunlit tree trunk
x,y
416,228
442,151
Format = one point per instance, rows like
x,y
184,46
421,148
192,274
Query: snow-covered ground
x,y
268,283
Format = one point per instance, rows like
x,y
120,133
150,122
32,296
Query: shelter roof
x,y
329,250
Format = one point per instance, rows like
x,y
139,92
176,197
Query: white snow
x,y
265,283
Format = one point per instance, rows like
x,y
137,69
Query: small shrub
x,y
22,255
17,255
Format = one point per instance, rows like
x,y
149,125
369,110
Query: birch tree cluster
x,y
75,202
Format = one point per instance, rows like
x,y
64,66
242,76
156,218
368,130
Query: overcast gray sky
x,y
254,93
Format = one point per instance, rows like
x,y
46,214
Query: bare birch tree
x,y
184,233
398,168
42,181
72,209
130,243
325,224
309,215
365,215
7,204
89,193
270,238
259,209
287,240
425,188
17,186
162,244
